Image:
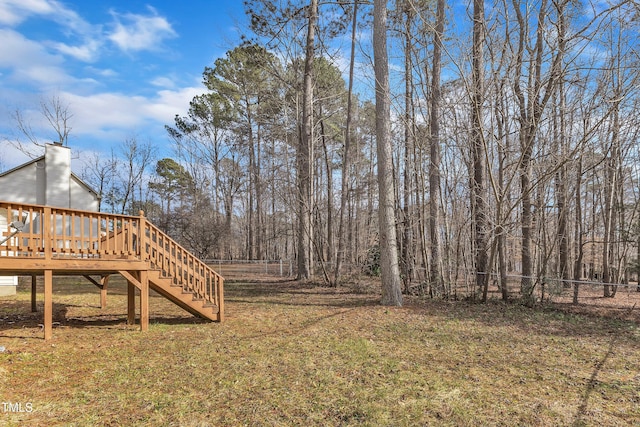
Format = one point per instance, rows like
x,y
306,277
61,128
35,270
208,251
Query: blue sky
x,y
123,68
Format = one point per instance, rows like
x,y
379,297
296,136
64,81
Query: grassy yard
x,y
299,354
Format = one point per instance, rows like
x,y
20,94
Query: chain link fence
x,y
457,285
247,269
583,291
555,290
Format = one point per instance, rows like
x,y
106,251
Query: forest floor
x,y
292,353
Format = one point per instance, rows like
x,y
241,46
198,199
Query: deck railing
x,y
50,233
57,232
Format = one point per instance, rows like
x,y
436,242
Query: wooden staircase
x,y
183,297
56,241
180,276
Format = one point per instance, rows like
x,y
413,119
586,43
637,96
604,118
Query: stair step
x,y
214,307
172,288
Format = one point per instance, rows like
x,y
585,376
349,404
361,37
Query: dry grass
x,y
299,354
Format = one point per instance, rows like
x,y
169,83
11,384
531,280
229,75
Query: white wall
x,y
81,197
7,283
22,186
48,181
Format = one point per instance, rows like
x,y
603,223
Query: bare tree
x,y
346,156
435,194
56,112
478,198
100,174
137,158
389,269
305,178
58,116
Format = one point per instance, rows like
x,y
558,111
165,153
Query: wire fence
x,y
585,292
243,269
457,285
553,289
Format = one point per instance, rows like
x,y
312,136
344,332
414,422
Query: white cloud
x,y
98,113
102,72
86,53
164,82
13,12
10,156
31,64
168,103
48,75
18,51
29,60
135,32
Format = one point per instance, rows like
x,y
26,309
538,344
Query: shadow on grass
x,y
294,293
17,315
293,331
112,320
542,319
75,284
591,385
545,319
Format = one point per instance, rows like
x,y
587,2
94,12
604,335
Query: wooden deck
x,y
47,241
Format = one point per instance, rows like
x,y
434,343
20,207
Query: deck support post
x,y
131,303
104,281
48,304
144,300
34,281
220,298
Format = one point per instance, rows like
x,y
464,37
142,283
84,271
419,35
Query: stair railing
x,y
179,265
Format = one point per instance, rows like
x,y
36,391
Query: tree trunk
x,y
390,272
409,168
503,153
305,178
479,207
437,282
561,189
531,104
611,185
579,247
346,159
329,256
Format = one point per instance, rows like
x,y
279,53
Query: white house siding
x,y
7,283
49,181
21,185
80,197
